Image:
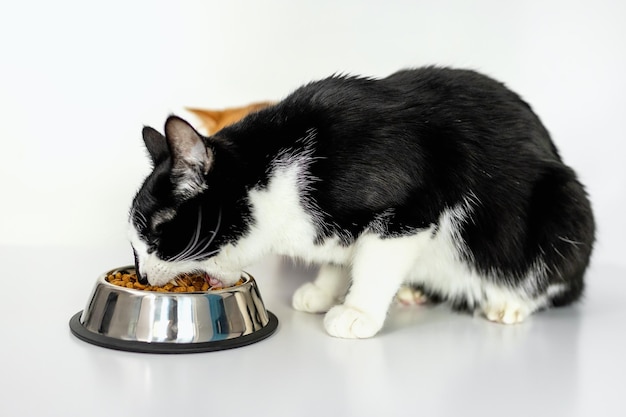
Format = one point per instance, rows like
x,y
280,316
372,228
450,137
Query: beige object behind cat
x,y
215,120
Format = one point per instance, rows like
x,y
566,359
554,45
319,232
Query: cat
x,y
437,177
215,120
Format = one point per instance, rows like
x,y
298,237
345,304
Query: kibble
x,y
182,283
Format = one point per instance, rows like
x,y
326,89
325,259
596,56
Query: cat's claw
x,y
312,299
350,323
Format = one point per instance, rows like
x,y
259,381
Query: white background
x,y
78,79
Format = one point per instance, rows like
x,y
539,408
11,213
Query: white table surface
x,y
427,361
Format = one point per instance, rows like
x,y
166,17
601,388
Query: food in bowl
x,y
193,282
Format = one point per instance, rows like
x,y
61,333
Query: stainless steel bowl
x,y
154,322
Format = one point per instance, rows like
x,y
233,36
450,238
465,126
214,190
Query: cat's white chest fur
x,y
282,226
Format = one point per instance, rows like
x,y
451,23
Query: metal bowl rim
x,y
248,282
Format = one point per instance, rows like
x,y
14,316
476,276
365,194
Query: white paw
x,y
506,314
312,299
410,296
350,323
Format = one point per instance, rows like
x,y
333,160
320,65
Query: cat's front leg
x,y
325,291
379,268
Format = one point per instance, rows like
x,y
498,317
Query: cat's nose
x,y
142,278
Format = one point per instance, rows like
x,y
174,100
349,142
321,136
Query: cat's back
x,y
414,89
467,107
442,119
412,101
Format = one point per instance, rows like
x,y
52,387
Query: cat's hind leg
x,y
506,313
411,295
507,305
325,291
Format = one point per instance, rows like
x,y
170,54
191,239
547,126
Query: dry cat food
x,y
182,283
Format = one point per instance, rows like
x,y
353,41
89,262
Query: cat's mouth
x,y
210,282
159,277
157,272
213,282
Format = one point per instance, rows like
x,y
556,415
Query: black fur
x,y
399,151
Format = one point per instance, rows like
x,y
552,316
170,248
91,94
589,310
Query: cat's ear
x,y
189,152
155,144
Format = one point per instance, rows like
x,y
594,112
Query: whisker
x,y
139,218
189,249
204,255
570,241
180,254
557,251
198,254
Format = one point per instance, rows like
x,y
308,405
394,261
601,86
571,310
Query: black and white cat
x,y
438,178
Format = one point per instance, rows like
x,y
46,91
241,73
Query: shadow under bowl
x,y
162,322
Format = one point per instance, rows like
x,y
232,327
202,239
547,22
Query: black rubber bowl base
x,y
160,347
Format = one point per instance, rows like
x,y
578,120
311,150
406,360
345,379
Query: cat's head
x,y
176,221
